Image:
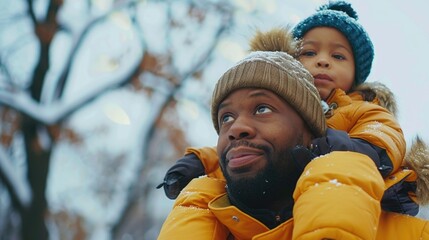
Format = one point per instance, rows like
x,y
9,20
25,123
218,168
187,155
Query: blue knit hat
x,y
341,16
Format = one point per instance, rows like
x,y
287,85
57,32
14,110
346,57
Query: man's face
x,y
258,129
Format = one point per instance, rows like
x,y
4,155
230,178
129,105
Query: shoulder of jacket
x,y
379,93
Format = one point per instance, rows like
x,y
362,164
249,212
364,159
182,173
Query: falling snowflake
x,y
335,182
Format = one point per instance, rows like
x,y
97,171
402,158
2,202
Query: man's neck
x,y
271,214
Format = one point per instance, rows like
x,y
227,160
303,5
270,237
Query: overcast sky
x,y
400,32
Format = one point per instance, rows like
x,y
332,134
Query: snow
x,y
16,178
335,182
110,52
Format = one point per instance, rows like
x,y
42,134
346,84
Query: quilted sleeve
x,y
338,197
379,127
190,217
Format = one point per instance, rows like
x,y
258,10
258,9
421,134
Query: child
x,y
337,51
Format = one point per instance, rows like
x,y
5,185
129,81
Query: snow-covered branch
x,y
56,111
19,188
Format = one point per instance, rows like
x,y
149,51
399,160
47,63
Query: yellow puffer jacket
x,y
202,210
367,121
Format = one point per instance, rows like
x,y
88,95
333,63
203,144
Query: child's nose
x,y
322,63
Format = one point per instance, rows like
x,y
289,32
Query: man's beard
x,y
271,184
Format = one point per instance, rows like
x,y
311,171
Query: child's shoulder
x,y
379,94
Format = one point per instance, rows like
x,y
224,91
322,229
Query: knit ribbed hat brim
x,y
279,73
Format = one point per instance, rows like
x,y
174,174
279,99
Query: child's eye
x,y
263,109
338,56
308,53
225,119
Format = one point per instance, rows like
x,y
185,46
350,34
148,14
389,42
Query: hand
x,y
180,174
301,156
335,140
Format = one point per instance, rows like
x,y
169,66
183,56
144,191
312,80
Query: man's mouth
x,y
242,157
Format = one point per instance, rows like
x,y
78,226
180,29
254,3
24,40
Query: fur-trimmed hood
x,y
386,98
417,157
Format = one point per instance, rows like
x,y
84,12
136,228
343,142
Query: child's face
x,y
328,56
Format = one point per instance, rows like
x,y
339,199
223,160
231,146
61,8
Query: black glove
x,y
301,156
180,174
335,140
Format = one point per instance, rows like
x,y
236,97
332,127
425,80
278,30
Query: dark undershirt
x,y
269,218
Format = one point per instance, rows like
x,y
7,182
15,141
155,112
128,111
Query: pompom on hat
x,y
280,73
341,16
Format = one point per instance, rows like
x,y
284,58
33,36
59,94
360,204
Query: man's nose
x,y
241,128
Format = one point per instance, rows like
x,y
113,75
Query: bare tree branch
x,y
31,11
57,111
59,89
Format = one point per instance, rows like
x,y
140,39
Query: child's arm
x,y
196,162
376,126
180,174
337,140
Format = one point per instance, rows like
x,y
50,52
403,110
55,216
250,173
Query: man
x,y
266,111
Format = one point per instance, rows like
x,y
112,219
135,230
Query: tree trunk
x,y
33,218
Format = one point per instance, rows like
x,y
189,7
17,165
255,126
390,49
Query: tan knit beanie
x,y
280,73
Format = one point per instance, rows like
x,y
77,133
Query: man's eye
x,y
263,109
226,118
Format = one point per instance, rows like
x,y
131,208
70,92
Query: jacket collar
x,y
245,222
